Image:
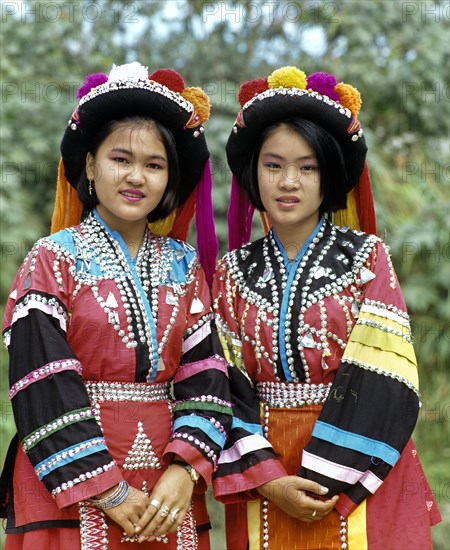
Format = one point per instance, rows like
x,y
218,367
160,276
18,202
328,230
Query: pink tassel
x,y
207,244
240,216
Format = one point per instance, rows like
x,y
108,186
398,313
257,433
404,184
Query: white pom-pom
x,y
129,71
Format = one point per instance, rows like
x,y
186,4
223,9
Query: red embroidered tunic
x,y
324,378
112,369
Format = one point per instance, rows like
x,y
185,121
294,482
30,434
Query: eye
x,y
120,160
272,165
309,167
154,166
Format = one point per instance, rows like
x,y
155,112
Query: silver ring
x,y
164,512
155,503
174,515
314,513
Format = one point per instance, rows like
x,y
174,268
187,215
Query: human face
x,y
130,170
289,182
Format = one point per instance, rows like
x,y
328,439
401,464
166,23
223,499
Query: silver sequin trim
x,y
128,391
291,395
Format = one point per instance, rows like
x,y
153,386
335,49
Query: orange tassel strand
x,y
68,208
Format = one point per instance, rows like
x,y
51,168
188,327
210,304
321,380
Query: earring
x,y
90,187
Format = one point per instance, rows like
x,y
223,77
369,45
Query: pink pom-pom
x,y
92,81
168,78
323,83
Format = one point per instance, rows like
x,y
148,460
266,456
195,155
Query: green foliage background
x,y
396,53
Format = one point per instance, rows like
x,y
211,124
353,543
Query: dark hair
x,y
169,200
333,174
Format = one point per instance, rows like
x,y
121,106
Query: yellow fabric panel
x,y
164,226
385,360
253,524
405,330
386,341
357,528
232,352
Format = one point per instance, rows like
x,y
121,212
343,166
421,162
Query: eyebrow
x,y
127,152
280,157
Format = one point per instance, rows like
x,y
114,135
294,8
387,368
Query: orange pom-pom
x,y
169,78
199,100
349,97
287,77
248,90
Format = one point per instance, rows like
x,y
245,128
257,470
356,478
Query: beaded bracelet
x,y
116,498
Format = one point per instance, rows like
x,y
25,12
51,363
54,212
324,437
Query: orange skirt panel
x,y
289,432
393,517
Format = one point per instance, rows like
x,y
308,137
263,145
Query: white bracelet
x,y
117,497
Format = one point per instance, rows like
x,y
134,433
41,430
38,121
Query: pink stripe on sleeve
x,y
39,374
197,337
331,469
370,481
253,442
190,369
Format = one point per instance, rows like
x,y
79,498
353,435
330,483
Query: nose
x,y
291,177
135,174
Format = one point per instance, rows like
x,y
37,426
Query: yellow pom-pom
x,y
287,77
199,100
350,97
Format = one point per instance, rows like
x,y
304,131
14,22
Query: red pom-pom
x,y
169,78
248,90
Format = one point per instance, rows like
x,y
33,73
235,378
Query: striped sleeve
x,y
54,420
202,411
373,404
248,459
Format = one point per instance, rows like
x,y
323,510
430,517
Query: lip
x,y
132,195
287,201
